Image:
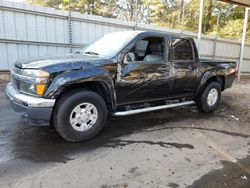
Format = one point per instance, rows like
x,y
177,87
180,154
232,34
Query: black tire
x,y
65,106
202,102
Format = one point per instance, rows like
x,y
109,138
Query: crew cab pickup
x,y
121,74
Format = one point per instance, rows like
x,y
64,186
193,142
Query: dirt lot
x,y
171,148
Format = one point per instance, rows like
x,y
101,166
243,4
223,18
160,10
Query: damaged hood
x,y
71,61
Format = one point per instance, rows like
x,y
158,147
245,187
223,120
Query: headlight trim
x,y
32,81
35,73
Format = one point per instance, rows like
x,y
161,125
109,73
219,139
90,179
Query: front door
x,y
144,73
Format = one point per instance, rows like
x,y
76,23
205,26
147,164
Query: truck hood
x,y
69,60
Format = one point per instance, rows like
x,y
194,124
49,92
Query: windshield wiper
x,y
91,53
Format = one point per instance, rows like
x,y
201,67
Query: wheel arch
x,y
218,78
208,78
100,87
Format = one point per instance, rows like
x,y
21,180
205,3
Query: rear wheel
x,y
80,115
209,99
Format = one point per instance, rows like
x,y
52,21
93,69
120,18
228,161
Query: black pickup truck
x,y
122,73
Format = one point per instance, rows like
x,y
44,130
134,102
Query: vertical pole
x,y
183,14
218,23
200,24
243,42
136,14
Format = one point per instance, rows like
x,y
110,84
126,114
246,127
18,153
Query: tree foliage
x,y
221,19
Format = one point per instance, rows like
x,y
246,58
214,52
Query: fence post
x,y
135,26
70,31
214,47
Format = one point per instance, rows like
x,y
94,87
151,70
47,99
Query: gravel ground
x,y
173,148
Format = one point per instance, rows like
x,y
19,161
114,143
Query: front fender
x,y
78,77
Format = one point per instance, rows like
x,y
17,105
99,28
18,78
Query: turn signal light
x,y
40,89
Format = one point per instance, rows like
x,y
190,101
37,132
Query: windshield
x,y
109,45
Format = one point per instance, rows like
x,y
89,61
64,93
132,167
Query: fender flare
x,y
211,73
60,82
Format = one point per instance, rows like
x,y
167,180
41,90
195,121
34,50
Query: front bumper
x,y
36,110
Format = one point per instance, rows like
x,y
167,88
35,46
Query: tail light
x,y
233,71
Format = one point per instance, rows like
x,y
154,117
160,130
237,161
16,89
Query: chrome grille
x,y
16,70
15,82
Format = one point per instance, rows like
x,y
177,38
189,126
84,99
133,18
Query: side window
x,y
147,49
141,47
181,50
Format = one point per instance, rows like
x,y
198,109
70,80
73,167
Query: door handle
x,y
162,67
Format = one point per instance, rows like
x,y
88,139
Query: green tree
x,y
233,30
219,18
96,7
163,13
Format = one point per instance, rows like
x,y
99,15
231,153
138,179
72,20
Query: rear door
x,y
184,66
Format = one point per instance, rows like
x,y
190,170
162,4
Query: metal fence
x,y
27,30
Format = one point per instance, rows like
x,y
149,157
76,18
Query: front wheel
x,y
209,99
80,115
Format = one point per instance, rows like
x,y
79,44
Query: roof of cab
x,y
138,32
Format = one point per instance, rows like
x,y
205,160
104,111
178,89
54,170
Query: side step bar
x,y
138,111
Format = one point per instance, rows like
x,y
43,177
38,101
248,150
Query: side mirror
x,y
126,59
129,57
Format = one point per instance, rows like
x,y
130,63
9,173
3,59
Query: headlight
x,y
28,88
36,83
31,88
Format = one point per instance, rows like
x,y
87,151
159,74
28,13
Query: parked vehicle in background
x,y
122,73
